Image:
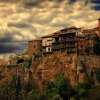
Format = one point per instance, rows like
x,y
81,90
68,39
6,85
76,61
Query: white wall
x,y
47,41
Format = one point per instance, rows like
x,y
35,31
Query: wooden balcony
x,y
60,46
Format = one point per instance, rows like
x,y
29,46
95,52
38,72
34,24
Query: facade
x,y
65,40
91,40
87,39
85,43
3,62
34,47
47,44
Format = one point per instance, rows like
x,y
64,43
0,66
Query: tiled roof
x,y
60,32
46,36
91,30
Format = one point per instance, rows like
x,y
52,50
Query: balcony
x,y
56,46
69,51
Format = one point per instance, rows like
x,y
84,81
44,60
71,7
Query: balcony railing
x,y
63,46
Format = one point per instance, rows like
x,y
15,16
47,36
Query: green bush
x,y
97,72
59,87
81,91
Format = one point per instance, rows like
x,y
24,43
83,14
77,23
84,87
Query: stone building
x,y
87,39
3,62
85,43
34,47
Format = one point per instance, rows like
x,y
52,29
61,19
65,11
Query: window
x,y
48,49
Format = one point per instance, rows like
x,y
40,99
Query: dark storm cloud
x,y
19,25
8,45
96,4
31,3
72,1
7,48
95,1
97,8
6,38
36,3
9,1
11,47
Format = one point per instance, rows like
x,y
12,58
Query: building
x,y
3,62
34,47
47,44
91,40
87,39
81,44
66,40
85,43
95,30
63,40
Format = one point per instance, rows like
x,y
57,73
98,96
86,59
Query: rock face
x,y
76,69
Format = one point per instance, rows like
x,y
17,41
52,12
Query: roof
x,y
34,40
95,31
47,36
66,31
62,31
91,30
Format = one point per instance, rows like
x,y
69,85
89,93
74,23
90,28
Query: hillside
x,y
54,64
76,69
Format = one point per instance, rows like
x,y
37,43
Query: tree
x,y
63,87
50,90
97,73
81,91
59,88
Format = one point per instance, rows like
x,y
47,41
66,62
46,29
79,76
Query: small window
x,y
49,49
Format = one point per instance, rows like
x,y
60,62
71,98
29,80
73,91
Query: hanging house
x,y
66,39
63,40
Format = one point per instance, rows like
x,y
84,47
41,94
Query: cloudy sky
x,y
23,20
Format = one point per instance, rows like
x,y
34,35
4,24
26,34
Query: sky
x,y
23,20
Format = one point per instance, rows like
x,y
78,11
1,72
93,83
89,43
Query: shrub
x,y
97,72
59,87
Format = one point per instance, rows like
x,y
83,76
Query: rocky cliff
x,y
75,68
